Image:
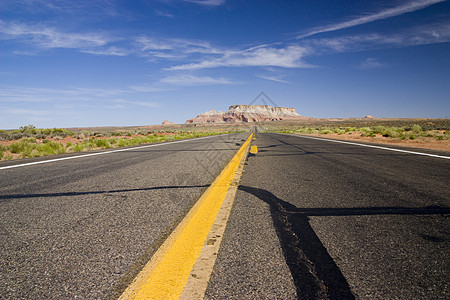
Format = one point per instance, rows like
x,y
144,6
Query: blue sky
x,y
66,63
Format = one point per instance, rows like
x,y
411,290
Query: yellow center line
x,y
166,274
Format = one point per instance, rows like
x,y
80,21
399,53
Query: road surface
x,y
312,219
347,221
84,227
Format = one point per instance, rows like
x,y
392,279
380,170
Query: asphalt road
x,y
316,220
83,228
312,220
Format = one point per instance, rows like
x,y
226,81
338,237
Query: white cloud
x,y
207,2
175,47
421,35
164,14
47,37
370,63
112,51
188,80
18,94
273,78
388,13
123,103
288,57
107,7
146,88
30,112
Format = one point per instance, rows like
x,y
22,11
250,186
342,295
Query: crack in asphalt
x,y
315,274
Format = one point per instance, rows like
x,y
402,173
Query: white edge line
x,y
369,146
106,152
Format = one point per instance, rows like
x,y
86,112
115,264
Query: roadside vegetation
x,y
424,131
29,141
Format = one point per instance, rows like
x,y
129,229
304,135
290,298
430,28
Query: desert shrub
x,y
79,147
5,135
305,130
122,143
416,128
21,147
30,129
412,136
392,133
379,130
325,131
2,151
102,143
112,141
49,148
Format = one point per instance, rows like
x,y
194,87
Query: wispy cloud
x,y
175,46
207,2
370,63
125,103
384,14
147,88
111,51
29,112
188,80
106,7
274,78
19,94
48,37
164,14
287,57
420,35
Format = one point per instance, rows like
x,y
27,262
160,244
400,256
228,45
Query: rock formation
x,y
247,113
165,122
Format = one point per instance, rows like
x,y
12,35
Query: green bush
x,y
49,148
102,143
5,135
379,130
2,151
416,128
112,141
23,147
325,131
78,147
28,147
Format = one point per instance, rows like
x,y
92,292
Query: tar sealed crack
x,y
315,274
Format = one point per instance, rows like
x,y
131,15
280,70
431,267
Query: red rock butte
x,y
246,114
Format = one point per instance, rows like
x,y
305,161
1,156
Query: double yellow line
x,y
166,274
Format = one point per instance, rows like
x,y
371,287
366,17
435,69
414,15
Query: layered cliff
x,y
247,113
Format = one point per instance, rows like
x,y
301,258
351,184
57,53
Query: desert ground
x,y
29,141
